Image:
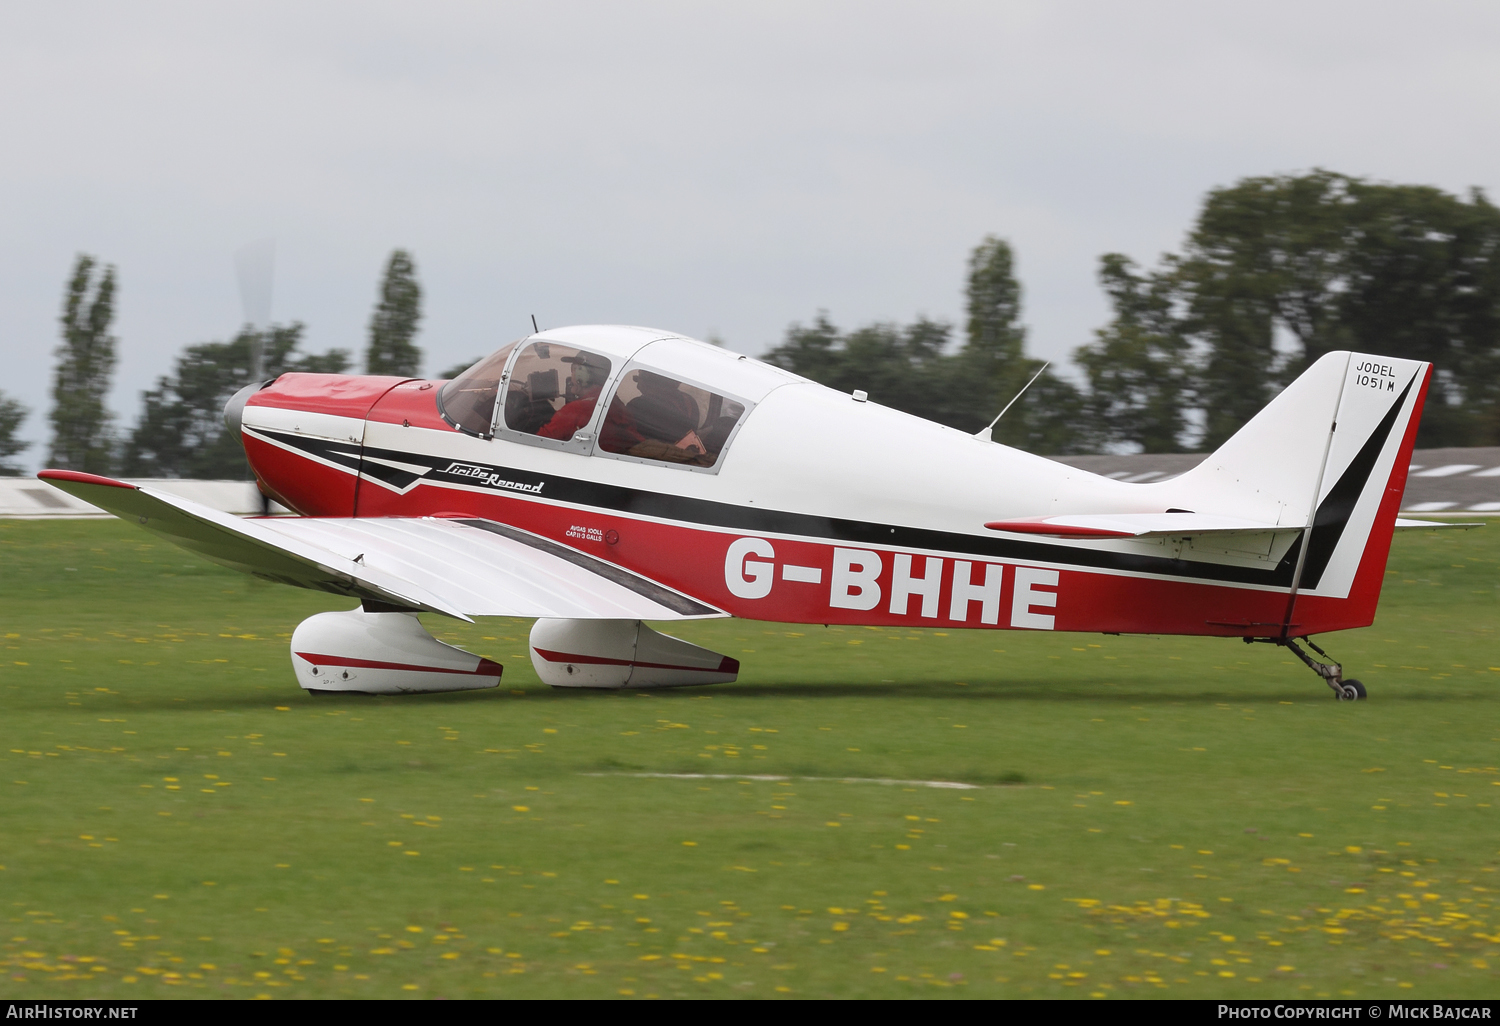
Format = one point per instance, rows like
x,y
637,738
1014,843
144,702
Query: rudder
x,y
1332,450
1359,495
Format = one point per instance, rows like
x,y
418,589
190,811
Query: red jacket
x,y
570,418
617,435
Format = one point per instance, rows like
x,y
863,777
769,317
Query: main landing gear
x,y
1331,672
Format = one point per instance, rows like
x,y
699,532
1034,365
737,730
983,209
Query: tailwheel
x,y
1331,672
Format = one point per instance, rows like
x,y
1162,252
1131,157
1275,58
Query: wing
x,y
460,567
1132,525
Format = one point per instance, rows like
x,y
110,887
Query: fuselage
x,y
817,508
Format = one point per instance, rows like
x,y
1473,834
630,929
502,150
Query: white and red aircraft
x,y
597,477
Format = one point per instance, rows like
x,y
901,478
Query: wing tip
x,y
79,477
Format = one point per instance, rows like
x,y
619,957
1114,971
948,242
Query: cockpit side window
x,y
468,401
553,389
660,418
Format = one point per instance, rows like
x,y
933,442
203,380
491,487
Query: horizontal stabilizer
x,y
1402,524
1132,525
460,567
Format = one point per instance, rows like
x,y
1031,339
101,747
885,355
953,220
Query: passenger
x,y
619,433
663,410
586,382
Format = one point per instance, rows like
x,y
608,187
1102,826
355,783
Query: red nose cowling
x,y
310,463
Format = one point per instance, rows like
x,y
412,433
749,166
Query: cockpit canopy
x,y
552,394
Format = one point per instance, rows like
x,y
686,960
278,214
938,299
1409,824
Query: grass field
x,y
1149,816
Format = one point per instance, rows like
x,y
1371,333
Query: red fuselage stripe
x,y
486,667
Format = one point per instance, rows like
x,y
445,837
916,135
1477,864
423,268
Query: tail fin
x,y
1331,451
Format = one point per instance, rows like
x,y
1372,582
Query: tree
x,y
181,431
12,414
913,367
1054,418
81,435
1264,254
1422,280
904,367
395,321
457,369
1318,262
1139,370
993,356
995,335
993,367
815,352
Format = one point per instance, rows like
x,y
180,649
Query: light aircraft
x,y
598,477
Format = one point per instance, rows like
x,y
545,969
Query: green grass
x,y
1154,815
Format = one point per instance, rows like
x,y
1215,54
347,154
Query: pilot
x,y
585,383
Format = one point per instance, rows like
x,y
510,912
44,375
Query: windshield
x,y
468,401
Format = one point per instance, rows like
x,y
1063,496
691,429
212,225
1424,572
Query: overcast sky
x,y
708,168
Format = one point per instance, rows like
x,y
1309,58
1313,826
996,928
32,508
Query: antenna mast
x,y
987,434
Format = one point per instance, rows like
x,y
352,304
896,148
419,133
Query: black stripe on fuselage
x,y
345,455
1331,518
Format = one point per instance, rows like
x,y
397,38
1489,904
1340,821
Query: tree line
x,y
1274,272
180,431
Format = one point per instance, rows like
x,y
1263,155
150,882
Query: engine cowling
x,y
382,654
621,654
